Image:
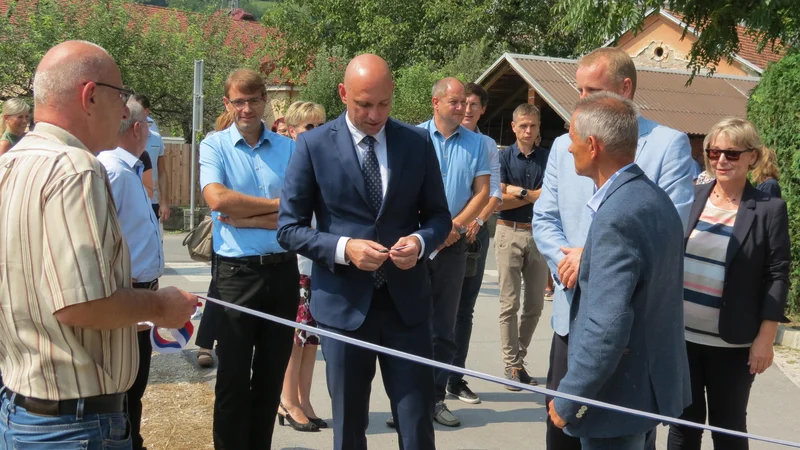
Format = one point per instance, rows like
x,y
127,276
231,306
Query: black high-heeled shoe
x,y
310,426
318,422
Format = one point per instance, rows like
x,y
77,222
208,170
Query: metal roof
x,y
661,94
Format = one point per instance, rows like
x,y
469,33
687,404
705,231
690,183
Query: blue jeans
x,y
640,441
21,430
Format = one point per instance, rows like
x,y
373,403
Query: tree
x,y
155,53
774,108
415,31
323,81
773,23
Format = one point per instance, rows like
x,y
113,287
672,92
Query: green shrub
x,y
412,92
774,108
322,82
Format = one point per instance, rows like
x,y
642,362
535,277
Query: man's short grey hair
x,y
58,83
611,119
136,115
439,89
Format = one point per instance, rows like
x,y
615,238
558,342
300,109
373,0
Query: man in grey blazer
x,y
561,221
626,317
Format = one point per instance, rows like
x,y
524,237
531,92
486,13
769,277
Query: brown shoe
x,y
204,358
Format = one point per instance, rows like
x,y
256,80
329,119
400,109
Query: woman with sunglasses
x,y
296,394
736,278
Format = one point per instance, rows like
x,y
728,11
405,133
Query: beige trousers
x,y
518,259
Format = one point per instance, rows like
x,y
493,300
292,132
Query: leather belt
x,y
515,225
101,404
150,285
262,260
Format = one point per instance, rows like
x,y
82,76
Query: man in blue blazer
x,y
626,315
375,187
561,221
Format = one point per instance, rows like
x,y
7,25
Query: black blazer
x,y
756,263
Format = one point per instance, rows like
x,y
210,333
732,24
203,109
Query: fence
x,y
178,160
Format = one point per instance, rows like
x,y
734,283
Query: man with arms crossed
x,y
68,349
242,173
560,221
626,317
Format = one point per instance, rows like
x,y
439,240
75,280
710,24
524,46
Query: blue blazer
x,y
626,344
324,178
560,217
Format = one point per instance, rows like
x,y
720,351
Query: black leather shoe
x,y
297,426
318,422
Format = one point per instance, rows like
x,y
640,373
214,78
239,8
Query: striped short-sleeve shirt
x,y
61,245
704,275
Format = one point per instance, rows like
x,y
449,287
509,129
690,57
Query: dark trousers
x,y
556,438
722,376
470,289
156,207
136,392
207,331
245,404
350,371
447,275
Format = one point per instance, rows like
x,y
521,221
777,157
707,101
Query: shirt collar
x,y
236,136
431,126
359,135
126,157
597,198
63,135
521,155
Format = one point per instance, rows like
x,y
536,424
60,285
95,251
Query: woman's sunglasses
x,y
731,155
311,126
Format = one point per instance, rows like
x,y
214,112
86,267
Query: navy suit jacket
x,y
324,178
626,342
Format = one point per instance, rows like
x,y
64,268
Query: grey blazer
x,y
626,329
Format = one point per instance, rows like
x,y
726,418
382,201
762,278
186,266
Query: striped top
x,y
704,275
62,245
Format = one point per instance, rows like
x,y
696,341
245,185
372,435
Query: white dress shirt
x,y
383,161
600,194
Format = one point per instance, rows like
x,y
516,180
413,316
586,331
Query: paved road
x,y
504,420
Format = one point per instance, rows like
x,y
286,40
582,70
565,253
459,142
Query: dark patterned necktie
x,y
372,178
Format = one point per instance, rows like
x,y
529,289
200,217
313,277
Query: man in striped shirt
x,y
68,314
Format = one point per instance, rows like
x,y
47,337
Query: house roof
x,y
249,33
661,94
748,47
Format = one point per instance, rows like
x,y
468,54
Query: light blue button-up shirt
x,y
462,157
594,203
259,171
155,149
139,224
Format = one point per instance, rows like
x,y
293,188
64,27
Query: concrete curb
x,y
788,337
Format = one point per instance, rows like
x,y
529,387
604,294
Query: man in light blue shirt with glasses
x,y
242,171
141,231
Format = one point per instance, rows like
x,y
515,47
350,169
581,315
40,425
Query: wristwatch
x,y
523,193
480,221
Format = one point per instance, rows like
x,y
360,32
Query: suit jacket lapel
x,y
701,194
742,225
343,141
644,128
394,158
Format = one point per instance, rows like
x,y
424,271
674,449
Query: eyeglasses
x,y
125,92
241,103
731,155
311,126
